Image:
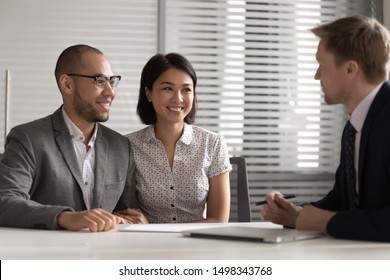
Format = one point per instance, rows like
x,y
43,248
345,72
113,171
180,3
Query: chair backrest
x,y
240,210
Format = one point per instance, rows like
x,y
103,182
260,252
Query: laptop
x,y
269,235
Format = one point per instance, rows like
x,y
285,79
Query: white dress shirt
x,y
85,157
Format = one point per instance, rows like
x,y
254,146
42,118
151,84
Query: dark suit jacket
x,y
40,176
371,221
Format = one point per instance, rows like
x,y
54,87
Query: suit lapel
x,y
382,98
101,149
64,143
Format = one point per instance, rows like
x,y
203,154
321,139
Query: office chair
x,y
240,210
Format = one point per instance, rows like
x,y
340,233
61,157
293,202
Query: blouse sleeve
x,y
220,162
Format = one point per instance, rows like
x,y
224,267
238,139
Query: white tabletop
x,y
46,244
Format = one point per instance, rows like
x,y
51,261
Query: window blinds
x,y
34,33
256,64
255,61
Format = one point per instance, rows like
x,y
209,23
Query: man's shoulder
x,y
36,126
111,134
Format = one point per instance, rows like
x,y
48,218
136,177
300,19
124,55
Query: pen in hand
x,y
288,196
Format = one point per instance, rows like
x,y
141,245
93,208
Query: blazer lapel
x,y
64,143
382,98
101,149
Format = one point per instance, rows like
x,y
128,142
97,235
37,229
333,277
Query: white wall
x,y
386,13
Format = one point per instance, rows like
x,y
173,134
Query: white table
x,y
59,245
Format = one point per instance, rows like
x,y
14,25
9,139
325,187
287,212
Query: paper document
x,y
165,227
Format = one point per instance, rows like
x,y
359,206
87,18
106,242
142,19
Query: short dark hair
x,y
152,70
70,60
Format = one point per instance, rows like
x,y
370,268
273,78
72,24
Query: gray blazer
x,y
40,177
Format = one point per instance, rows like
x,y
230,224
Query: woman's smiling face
x,y
172,96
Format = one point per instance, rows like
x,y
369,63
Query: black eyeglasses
x,y
100,79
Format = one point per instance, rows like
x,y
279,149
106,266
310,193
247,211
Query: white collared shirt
x,y
178,195
85,157
357,120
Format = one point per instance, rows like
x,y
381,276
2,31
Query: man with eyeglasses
x,y
68,171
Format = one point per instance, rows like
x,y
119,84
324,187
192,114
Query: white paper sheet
x,y
166,227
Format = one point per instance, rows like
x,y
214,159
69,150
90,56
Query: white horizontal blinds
x,y
254,59
34,33
256,64
287,127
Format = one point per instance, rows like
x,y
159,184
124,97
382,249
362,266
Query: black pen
x,y
288,196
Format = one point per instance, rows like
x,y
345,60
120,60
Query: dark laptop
x,y
271,235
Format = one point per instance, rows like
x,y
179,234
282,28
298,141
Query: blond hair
x,y
358,38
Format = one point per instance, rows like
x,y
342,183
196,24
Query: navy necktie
x,y
349,146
